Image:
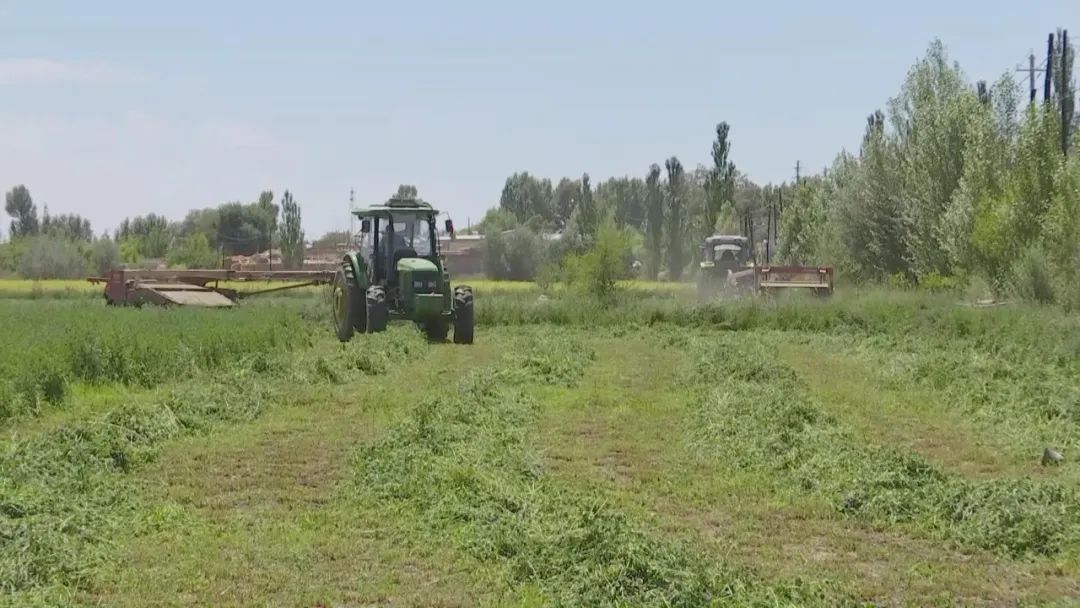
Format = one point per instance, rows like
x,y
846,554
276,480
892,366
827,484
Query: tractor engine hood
x,y
416,265
421,288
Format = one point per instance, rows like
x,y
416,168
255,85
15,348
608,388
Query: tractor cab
x,y
399,244
726,252
726,261
398,273
390,235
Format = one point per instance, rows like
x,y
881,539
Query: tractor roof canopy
x,y
396,205
727,239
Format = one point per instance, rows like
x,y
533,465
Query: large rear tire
x,y
463,315
347,306
376,309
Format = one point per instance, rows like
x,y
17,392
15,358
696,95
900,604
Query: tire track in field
x,y
908,419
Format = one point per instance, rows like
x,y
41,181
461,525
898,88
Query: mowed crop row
x,y
875,447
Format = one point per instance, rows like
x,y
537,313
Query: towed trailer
x,y
198,287
818,279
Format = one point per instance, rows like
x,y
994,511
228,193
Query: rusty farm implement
x,y
200,287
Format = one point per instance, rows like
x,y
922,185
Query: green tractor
x,y
727,264
399,273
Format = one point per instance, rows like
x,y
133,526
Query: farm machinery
x,y
728,265
399,273
128,287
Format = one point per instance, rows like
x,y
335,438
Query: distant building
x,y
464,254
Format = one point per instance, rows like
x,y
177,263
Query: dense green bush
x,y
597,271
104,256
513,255
193,252
52,258
1031,278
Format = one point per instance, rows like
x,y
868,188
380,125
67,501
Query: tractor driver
x,y
392,242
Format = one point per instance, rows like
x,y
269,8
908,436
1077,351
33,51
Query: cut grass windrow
x,y
461,468
65,495
755,414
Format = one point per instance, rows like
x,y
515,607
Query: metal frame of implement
x,y
817,278
192,287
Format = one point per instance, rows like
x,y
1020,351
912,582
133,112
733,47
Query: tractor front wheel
x,y
348,311
463,315
436,330
376,309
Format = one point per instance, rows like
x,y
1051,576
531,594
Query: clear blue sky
x,y
111,109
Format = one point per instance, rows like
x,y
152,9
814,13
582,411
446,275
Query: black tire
x,y
436,331
359,309
463,315
346,305
376,309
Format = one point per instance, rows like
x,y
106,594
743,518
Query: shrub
x,y
104,256
1031,278
10,254
513,255
937,283
194,252
899,280
597,270
547,275
52,258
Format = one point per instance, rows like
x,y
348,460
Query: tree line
x,y
954,183
660,216
65,246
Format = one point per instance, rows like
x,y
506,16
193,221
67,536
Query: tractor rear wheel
x,y
376,309
463,315
348,309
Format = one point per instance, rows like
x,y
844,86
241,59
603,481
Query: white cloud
x,y
44,71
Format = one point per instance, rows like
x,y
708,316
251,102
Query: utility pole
x,y
750,227
798,169
781,210
1049,68
768,235
1031,70
1065,70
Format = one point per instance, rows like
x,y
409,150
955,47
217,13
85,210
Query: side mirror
x,y
365,226
450,227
